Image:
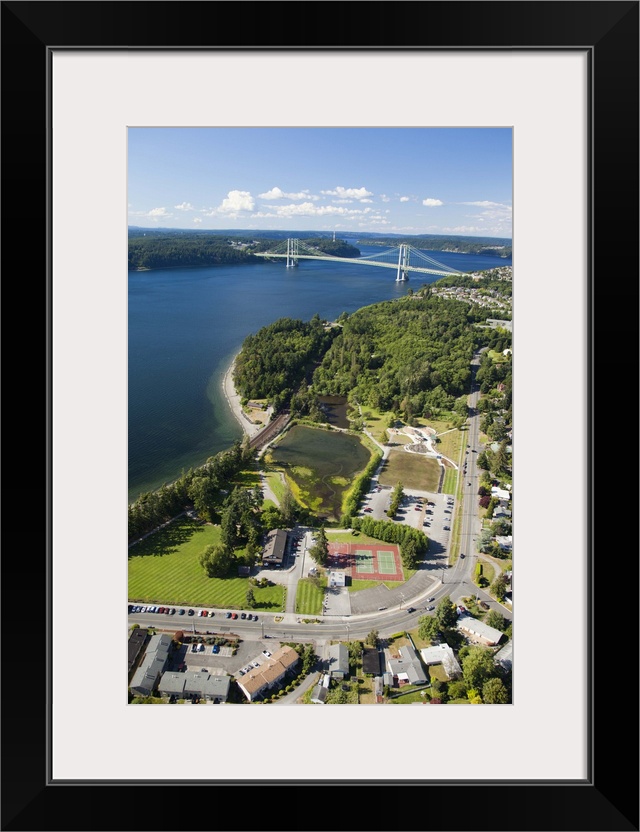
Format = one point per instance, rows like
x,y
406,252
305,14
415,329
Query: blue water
x,y
185,326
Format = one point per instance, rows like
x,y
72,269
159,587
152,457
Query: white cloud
x,y
348,193
485,203
308,209
496,217
276,193
197,219
237,201
385,198
404,199
432,203
185,206
158,212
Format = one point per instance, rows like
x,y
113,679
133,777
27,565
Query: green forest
x,y
410,355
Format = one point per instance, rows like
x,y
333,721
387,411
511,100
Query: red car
x,y
234,615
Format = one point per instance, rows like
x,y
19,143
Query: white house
x,y
444,655
478,630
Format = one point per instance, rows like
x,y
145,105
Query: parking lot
x,y
223,662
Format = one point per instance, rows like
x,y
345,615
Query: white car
x,y
266,653
255,664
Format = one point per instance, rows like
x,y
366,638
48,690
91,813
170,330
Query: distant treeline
x,y
156,250
163,251
336,248
460,245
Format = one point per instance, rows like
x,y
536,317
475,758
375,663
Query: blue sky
x,y
387,180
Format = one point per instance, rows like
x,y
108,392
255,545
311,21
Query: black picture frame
x,y
608,798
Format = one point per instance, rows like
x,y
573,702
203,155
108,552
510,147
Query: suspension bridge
x,y
403,258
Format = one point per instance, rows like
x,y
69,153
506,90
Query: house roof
x,y
319,694
153,663
444,655
135,645
473,625
504,656
371,660
338,658
171,683
275,545
408,666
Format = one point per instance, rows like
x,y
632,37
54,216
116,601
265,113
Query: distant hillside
x,y
498,246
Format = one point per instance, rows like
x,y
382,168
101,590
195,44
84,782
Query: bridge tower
x,y
403,263
292,253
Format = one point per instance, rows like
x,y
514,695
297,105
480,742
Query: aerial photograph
x,y
320,437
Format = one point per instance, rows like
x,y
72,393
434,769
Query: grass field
x,y
412,470
450,481
356,586
309,597
349,537
320,465
165,568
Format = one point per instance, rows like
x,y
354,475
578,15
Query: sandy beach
x,y
234,402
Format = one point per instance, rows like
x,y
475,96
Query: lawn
x,y
450,480
412,470
165,568
413,695
349,537
376,421
309,597
356,586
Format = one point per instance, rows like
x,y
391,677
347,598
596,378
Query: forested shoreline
x,y
161,250
409,355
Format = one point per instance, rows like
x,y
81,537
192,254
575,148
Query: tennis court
x,y
364,561
386,563
379,562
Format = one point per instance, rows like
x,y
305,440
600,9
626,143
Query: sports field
x,y
376,562
412,470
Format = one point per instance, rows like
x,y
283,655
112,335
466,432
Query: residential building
x,y
444,655
406,667
504,656
270,673
371,661
135,646
338,660
146,677
193,684
478,630
319,693
275,548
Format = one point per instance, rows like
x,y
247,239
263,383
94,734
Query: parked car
x,y
191,612
430,608
215,648
181,612
431,599
411,609
255,664
161,610
266,654
243,615
234,615
227,615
